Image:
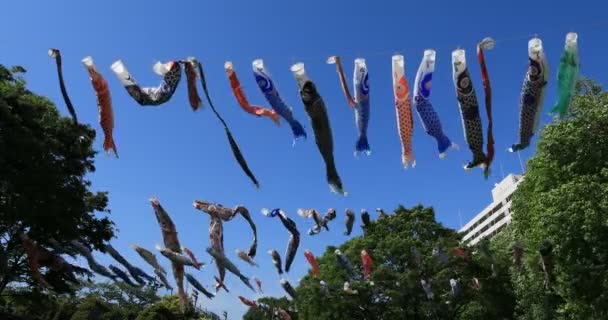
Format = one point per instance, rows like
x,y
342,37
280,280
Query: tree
x,y
401,246
91,309
44,159
128,300
267,313
170,308
564,199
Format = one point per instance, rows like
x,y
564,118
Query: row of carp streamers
x,y
60,271
531,102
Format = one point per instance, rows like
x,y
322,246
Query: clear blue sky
x,y
180,156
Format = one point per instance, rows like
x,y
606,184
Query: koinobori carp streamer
x,y
469,108
366,261
199,286
193,97
338,62
56,54
38,256
569,65
149,257
122,275
150,96
134,271
403,109
532,94
93,264
169,233
276,261
262,77
350,221
222,260
312,261
217,214
104,105
294,239
317,112
361,101
241,98
238,155
487,44
424,108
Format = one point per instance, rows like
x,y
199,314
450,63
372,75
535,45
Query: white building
x,y
496,215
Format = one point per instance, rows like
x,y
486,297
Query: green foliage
x,y
396,293
91,309
170,308
267,313
44,159
564,199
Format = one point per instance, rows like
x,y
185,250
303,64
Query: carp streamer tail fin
x,y
233,145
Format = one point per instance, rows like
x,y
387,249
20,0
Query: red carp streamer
x,y
195,100
487,44
238,92
338,62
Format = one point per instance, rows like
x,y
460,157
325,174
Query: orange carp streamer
x,y
238,92
195,99
403,108
338,62
104,104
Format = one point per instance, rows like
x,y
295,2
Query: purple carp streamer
x,y
532,94
150,96
569,65
169,233
427,114
361,101
294,239
238,155
317,112
262,77
218,214
469,109
56,54
487,44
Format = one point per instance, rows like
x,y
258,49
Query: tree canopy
x,y
44,160
564,199
401,246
